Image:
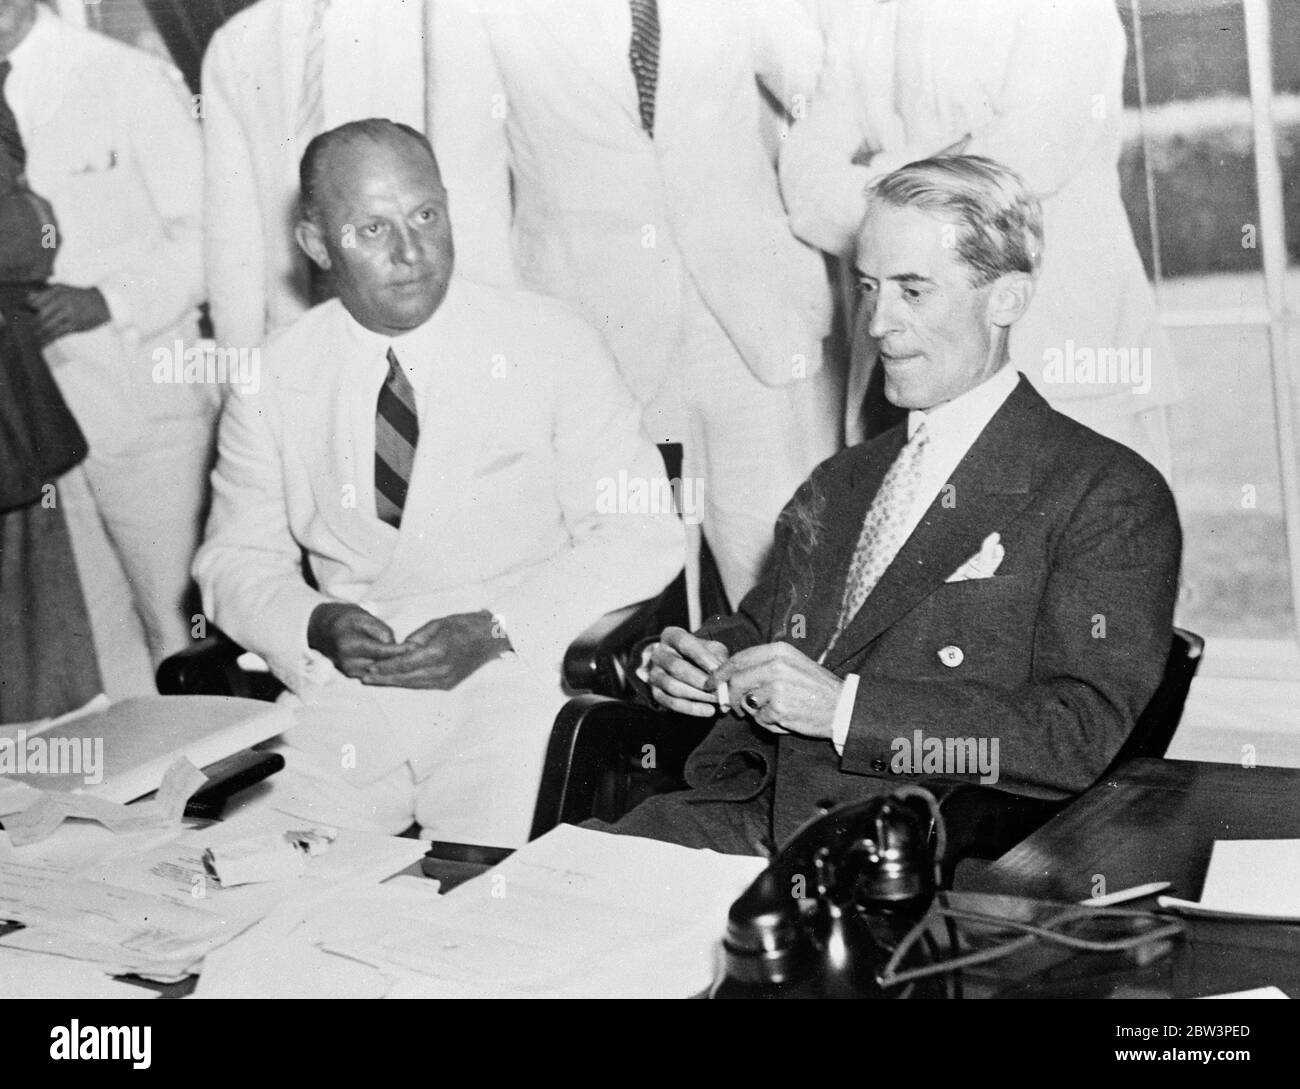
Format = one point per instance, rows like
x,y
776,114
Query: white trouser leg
x,y
151,498
120,648
750,445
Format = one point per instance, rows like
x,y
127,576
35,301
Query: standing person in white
x,y
644,195
112,144
1034,84
438,449
282,71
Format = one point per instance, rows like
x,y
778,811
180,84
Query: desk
x,y
1156,820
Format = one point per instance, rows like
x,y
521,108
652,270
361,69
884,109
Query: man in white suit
x,y
442,452
645,196
1035,86
111,142
282,71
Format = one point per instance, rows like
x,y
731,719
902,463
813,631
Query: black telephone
x,y
825,915
848,898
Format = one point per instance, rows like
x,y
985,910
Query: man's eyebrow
x,y
901,278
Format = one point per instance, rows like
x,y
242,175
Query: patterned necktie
x,y
644,55
11,140
883,530
397,430
311,106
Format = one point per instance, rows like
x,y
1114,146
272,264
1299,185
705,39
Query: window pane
x,y
1188,178
1235,574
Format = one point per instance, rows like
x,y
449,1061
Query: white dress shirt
x,y
953,428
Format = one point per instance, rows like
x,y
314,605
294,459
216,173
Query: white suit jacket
x,y
512,502
598,204
1038,86
375,66
113,146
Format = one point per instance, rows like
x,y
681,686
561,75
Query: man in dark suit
x,y
984,592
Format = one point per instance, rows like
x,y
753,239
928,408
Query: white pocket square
x,y
984,563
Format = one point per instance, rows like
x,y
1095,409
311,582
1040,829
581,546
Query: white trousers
x,y
473,756
135,519
746,446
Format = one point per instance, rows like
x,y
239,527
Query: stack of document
x,y
157,911
121,751
576,913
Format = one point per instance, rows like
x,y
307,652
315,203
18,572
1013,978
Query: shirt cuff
x,y
844,713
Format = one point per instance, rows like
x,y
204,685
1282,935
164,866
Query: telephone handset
x,y
825,914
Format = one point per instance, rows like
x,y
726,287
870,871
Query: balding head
x,y
375,212
346,143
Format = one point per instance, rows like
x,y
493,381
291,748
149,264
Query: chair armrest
x,y
210,667
605,756
981,822
600,659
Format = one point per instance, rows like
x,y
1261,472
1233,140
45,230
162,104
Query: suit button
x,y
952,657
877,765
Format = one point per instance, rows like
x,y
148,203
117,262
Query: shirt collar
x,y
412,346
963,418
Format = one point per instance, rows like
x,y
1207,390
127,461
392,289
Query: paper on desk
x,y
33,975
1254,992
282,956
175,872
1248,878
42,818
15,796
575,913
156,911
131,744
133,930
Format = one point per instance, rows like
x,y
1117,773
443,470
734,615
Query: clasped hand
x,y
776,685
62,310
437,655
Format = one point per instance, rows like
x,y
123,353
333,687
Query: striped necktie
x,y
884,530
644,55
11,139
397,430
311,104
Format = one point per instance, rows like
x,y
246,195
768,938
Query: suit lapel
x,y
990,486
582,31
820,601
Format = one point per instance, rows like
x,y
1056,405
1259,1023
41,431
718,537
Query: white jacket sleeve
x,y
618,552
158,287
234,249
823,189
1060,94
465,117
787,47
249,568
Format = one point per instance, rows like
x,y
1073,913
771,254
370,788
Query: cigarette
x,y
724,698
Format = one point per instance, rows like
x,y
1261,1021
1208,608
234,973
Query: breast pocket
x,y
103,198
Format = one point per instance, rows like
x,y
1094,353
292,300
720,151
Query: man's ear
x,y
312,242
1010,297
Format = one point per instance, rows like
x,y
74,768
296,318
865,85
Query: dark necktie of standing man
x,y
397,430
11,139
644,55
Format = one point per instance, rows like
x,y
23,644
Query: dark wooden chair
x,y
606,755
